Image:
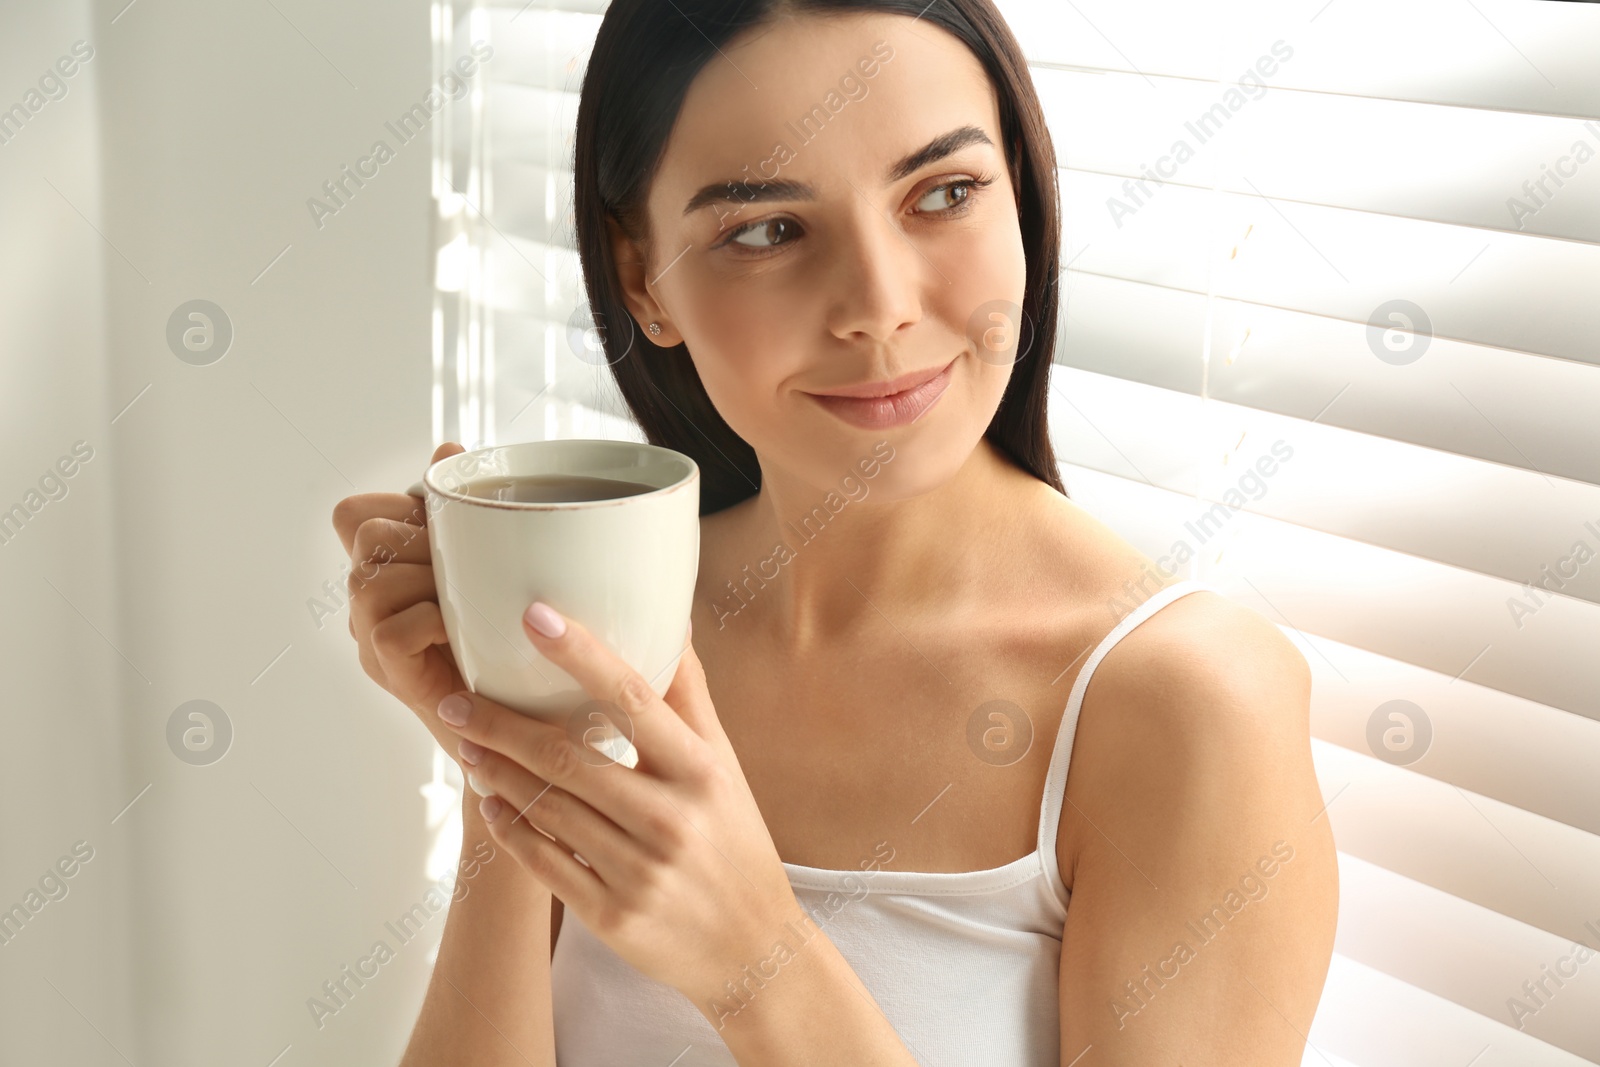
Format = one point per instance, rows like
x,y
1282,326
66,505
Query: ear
x,y
629,258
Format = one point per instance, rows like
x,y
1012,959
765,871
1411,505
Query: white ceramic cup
x,y
624,567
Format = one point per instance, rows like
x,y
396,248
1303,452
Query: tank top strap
x,y
1055,787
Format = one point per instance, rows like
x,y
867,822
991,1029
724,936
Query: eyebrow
x,y
738,191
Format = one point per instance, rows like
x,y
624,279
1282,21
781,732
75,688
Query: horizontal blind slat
x,y
1513,291
1500,54
1473,400
1455,165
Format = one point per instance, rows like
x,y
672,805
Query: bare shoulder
x,y
1202,690
1204,663
1202,686
1201,647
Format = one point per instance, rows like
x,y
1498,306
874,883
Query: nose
x,y
876,278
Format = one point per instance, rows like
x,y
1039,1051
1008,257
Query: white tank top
x,y
964,964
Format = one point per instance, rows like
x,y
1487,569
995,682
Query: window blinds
x,y
1329,340
512,359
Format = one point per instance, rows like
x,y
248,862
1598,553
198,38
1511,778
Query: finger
x,y
391,540
547,751
411,648
407,633
352,511
661,736
349,513
390,589
549,861
574,824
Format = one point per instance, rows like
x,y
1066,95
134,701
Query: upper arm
x,y
1204,880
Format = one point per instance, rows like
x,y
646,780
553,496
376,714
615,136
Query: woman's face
x,y
870,263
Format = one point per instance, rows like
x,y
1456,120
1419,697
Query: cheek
x,y
986,267
744,349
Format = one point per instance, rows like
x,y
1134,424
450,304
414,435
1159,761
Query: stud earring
x,y
655,328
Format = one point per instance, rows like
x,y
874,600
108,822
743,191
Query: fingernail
x,y
546,621
470,751
477,785
454,709
489,807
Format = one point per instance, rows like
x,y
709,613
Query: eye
x,y
764,228
948,191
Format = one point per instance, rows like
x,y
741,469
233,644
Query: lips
x,y
895,409
876,390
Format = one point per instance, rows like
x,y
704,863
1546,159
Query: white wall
x,y
228,893
61,773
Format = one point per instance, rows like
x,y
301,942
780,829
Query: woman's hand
x,y
394,607
682,878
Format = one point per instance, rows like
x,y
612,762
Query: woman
x,y
851,836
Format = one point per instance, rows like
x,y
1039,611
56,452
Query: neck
x,y
821,562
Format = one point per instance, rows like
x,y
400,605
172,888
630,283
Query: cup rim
x,y
691,477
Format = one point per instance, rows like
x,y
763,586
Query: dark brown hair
x,y
645,56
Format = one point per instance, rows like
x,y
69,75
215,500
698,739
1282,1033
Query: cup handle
x,y
418,489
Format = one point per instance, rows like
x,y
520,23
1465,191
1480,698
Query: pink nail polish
x,y
454,709
542,618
